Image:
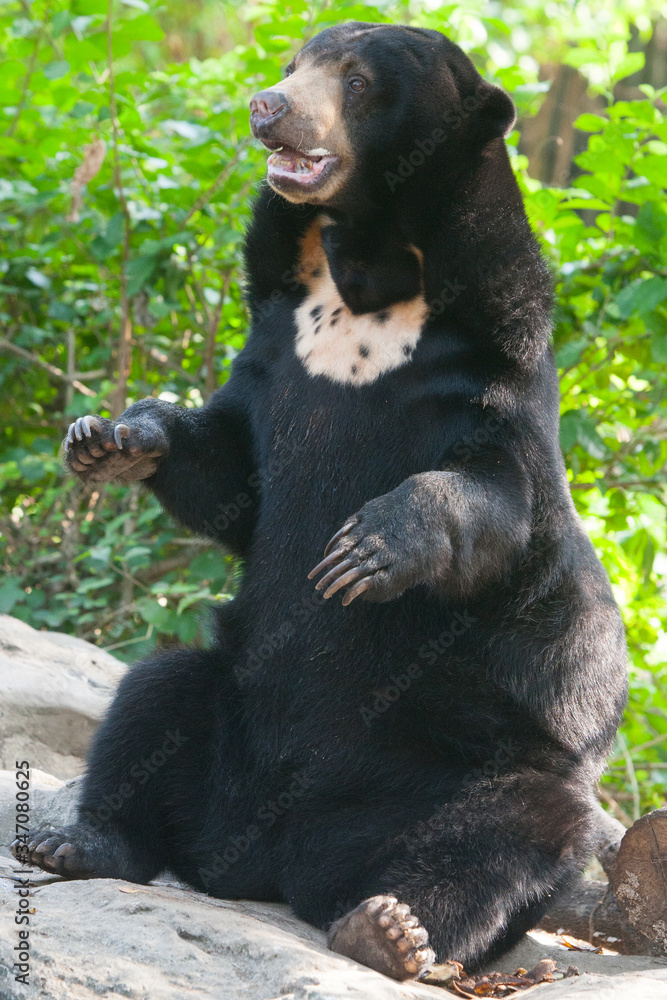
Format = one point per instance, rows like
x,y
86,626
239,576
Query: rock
x,y
51,802
164,942
53,691
639,877
647,985
539,944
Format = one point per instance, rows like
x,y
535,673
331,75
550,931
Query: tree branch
x,y
218,182
627,914
210,383
34,359
26,84
124,355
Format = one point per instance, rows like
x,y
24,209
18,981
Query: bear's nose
x,y
266,108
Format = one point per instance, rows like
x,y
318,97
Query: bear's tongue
x,y
298,165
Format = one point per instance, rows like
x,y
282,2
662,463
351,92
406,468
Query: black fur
x,y
439,738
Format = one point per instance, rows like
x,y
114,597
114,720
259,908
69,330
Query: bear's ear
x,y
497,113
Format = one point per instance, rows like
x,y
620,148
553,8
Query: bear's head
x,y
361,104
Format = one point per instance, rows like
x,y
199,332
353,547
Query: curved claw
x,y
347,527
333,573
364,584
89,424
331,558
380,903
64,850
81,428
121,431
343,581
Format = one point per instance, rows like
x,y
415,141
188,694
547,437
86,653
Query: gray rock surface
x,y
53,691
163,942
540,944
166,942
52,802
648,985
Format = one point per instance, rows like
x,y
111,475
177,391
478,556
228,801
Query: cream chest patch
x,y
332,341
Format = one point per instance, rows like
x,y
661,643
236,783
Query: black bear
x,y
411,764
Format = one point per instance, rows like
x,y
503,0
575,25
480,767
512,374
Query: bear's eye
x,y
289,69
356,84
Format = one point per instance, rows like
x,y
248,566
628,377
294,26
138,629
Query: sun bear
x,y
400,724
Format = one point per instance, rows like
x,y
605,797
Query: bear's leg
x,y
466,878
150,749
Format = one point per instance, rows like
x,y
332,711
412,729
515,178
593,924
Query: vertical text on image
x,y
24,910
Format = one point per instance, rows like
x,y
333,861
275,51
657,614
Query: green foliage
x,y
153,238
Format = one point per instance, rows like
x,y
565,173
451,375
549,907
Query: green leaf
x,y
590,123
100,554
153,613
138,555
659,348
642,296
37,278
60,22
113,234
588,438
187,628
144,28
631,64
59,310
57,69
570,353
653,167
578,427
139,271
11,592
94,583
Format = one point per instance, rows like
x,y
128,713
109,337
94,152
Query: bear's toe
x,y
54,852
383,934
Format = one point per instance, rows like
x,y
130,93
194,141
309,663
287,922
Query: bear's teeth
x,y
302,165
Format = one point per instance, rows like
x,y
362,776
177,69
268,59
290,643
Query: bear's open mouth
x,y
290,166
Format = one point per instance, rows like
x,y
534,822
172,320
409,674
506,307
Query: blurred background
x,y
126,176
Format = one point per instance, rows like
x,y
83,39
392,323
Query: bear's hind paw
x,y
54,851
382,934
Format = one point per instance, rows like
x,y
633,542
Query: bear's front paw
x,y
370,555
99,450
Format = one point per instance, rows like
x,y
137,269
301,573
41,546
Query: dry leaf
x,y
92,164
574,944
500,985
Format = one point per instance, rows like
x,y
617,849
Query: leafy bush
x,y
125,183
